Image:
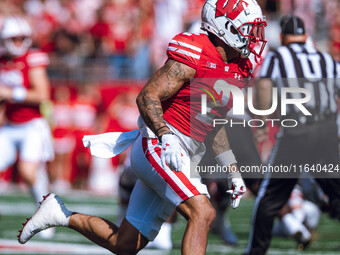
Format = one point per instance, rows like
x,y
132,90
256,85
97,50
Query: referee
x,y
313,141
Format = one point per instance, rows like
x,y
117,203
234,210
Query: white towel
x,y
108,145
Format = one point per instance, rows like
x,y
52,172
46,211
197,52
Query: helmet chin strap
x,y
249,48
245,52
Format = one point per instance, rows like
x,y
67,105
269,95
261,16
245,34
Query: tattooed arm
x,y
219,140
165,83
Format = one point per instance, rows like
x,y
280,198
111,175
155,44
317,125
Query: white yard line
x,y
35,247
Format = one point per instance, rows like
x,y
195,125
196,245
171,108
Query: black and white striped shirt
x,y
301,65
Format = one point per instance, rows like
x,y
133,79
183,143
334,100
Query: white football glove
x,y
171,152
237,188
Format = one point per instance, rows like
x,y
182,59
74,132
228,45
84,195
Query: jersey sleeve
x,y
186,49
37,59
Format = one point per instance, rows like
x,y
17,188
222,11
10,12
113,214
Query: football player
x,y
171,136
24,85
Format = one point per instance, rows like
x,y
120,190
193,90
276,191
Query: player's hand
x,y
236,188
171,152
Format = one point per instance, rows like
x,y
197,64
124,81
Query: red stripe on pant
x,y
161,171
165,176
181,176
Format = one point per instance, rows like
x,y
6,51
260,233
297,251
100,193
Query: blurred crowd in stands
x,y
127,39
113,39
102,52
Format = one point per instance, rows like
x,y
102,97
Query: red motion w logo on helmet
x,y
230,8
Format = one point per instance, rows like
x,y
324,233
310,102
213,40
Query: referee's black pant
x,y
312,144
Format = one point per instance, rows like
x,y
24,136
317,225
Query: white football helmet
x,y
16,28
238,23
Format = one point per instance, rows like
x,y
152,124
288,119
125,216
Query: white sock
x,y
39,190
40,187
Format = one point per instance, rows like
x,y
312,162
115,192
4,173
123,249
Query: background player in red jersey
x,y
170,139
24,85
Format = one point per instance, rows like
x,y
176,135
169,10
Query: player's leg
x,y
272,196
28,172
146,214
181,190
163,239
275,189
8,152
31,159
53,213
35,148
328,155
293,225
127,181
313,214
331,187
147,211
199,214
123,240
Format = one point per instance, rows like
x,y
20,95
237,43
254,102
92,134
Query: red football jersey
x,y
183,110
14,73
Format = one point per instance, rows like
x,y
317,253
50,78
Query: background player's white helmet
x,y
238,23
16,28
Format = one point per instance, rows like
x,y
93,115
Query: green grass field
x,y
15,206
